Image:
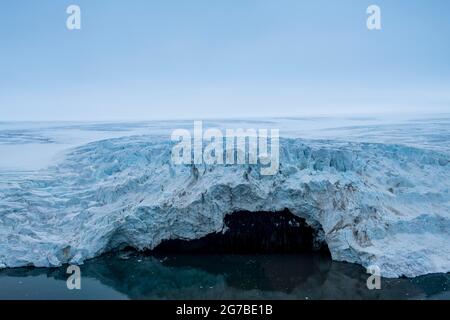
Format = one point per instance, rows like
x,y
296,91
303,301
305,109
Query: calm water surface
x,y
128,275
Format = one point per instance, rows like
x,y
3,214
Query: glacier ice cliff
x,y
377,204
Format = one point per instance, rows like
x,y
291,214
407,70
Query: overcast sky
x,y
148,59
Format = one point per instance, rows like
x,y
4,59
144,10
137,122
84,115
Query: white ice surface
x,y
379,188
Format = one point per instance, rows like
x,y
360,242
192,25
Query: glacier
x,y
378,203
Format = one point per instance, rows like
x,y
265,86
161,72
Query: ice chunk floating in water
x,y
371,203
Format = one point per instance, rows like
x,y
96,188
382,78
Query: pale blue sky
x,y
148,59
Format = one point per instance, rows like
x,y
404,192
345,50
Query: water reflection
x,y
136,276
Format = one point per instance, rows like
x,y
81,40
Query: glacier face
x,y
381,204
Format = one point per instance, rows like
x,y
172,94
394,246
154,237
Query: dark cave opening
x,y
253,233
